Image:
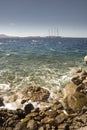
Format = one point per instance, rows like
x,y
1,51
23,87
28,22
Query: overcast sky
x,y
37,17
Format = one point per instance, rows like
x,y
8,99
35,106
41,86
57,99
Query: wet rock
x,y
80,88
77,80
28,108
23,101
76,70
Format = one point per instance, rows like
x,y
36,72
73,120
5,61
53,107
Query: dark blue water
x,y
39,61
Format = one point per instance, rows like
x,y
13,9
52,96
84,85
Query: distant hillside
x,y
3,36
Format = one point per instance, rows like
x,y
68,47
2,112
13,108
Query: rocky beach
x,y
43,84
40,109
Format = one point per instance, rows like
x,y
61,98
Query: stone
x,y
32,125
48,127
2,120
63,126
51,114
20,126
41,128
85,59
83,128
77,80
20,113
69,89
48,120
1,102
28,108
61,118
75,102
75,70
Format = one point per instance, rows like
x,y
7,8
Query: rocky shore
x,y
65,110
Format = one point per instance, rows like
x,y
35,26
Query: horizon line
x,y
8,36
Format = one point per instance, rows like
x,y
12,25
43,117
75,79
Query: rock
x,y
41,128
2,128
28,108
82,119
1,121
9,128
23,101
69,89
61,118
63,126
51,114
39,94
80,88
1,102
32,93
32,125
48,127
77,80
83,128
83,74
85,81
85,59
48,120
32,114
20,126
76,70
20,113
76,102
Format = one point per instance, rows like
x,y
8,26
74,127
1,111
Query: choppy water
x,y
39,61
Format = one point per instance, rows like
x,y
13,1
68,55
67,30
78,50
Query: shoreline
x,y
66,110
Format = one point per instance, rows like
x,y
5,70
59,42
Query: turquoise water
x,y
40,61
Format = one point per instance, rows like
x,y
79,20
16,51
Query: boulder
x,y
37,93
75,102
32,93
69,89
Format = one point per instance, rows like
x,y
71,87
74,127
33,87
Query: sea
x,y
39,61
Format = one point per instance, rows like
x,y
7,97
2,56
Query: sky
x,y
66,18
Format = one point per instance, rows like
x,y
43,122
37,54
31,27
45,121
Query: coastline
x,y
40,110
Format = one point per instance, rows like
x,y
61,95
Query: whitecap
x,y
13,105
4,87
8,54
